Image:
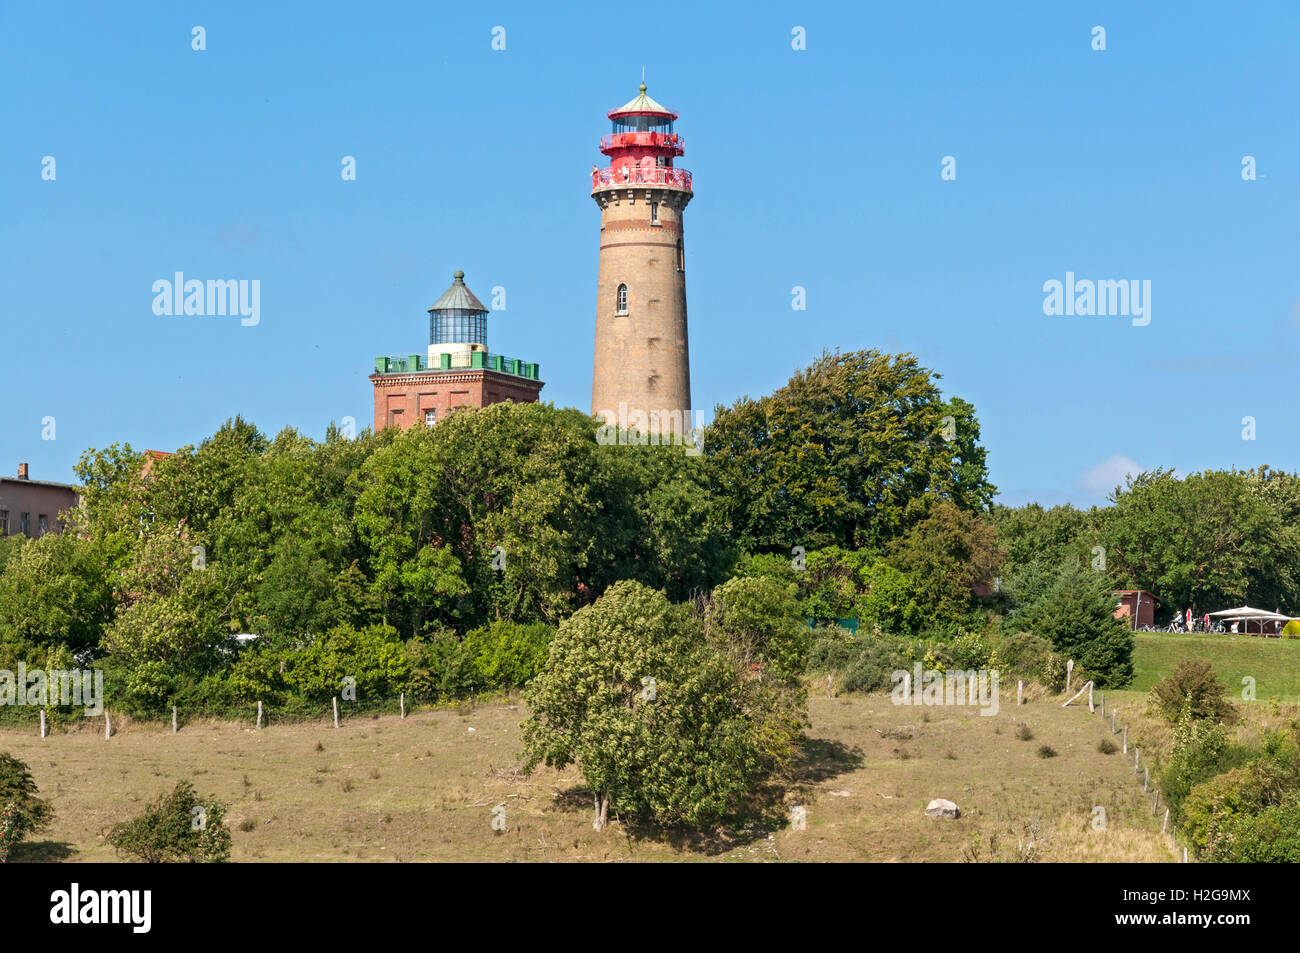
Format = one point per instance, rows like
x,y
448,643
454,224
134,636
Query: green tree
x,y
53,592
649,710
493,505
28,813
1195,541
852,451
1076,613
947,556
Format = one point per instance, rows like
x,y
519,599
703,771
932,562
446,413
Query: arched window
x,y
622,299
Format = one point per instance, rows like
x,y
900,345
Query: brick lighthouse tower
x,y
642,371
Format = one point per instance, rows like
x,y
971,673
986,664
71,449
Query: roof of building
x,y
17,481
642,105
458,297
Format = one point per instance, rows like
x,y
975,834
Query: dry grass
x,y
425,789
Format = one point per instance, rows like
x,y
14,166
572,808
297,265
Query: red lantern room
x,y
641,147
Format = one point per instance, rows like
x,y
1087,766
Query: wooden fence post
x,y
175,723
259,714
1113,729
1136,754
108,727
403,701
1069,673
42,723
336,711
1164,825
1103,704
1146,781
1126,739
1091,707
1020,693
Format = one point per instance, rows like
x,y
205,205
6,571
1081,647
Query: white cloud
x,y
1108,474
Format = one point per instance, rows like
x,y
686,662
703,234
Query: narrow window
x,y
4,522
22,523
681,256
430,417
42,525
622,299
654,213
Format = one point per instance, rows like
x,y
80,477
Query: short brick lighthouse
x,y
642,363
458,370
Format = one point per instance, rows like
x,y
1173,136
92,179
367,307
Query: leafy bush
x,y
864,662
372,656
1023,655
761,617
176,827
1201,751
651,711
508,654
1192,688
26,812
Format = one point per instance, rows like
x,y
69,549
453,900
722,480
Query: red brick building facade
x,y
403,398
458,370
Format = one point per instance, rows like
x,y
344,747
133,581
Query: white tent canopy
x,y
1248,615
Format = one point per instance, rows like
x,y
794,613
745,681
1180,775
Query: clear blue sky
x,y
818,168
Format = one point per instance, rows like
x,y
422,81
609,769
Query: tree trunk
x,y
602,812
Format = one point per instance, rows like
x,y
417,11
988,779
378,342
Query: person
x,y
1234,626
1207,622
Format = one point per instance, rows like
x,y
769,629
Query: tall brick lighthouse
x,y
642,364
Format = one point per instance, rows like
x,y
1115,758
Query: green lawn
x,y
1273,663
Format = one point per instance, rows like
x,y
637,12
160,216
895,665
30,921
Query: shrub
x,y
25,811
1046,751
864,661
508,654
373,656
1106,746
1201,751
1024,732
649,709
176,827
1192,687
760,617
1023,655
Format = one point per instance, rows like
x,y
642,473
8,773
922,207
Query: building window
x,y
22,523
681,256
430,417
654,213
4,522
42,525
622,300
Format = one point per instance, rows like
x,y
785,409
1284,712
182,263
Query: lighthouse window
x,y
622,299
654,213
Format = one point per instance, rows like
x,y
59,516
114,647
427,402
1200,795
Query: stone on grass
x,y
942,808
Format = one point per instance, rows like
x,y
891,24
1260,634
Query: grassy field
x,y
424,789
1273,663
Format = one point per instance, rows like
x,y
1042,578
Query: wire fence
x,y
49,720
